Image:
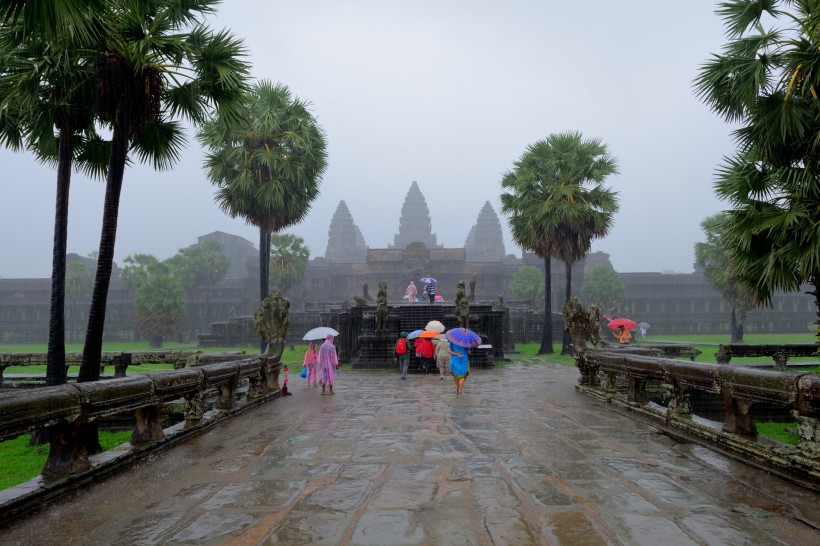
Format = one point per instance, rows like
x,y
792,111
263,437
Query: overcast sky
x,y
446,93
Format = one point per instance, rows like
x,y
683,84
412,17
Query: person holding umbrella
x,y
430,288
328,362
461,340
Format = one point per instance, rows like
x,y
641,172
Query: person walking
x,y
459,365
442,358
311,363
401,354
427,354
328,362
412,292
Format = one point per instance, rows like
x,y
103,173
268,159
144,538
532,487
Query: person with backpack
x,y
401,354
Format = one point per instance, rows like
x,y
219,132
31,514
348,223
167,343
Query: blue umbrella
x,y
428,280
414,334
463,337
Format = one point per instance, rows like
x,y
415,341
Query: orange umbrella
x,y
429,334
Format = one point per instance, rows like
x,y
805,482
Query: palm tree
x,y
46,99
268,168
714,258
157,62
48,18
557,205
768,82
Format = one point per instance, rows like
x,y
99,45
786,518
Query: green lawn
x,y
20,461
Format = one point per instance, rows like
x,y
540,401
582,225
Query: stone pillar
x,y
738,419
809,430
67,454
147,429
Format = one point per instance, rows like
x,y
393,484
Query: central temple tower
x,y
414,224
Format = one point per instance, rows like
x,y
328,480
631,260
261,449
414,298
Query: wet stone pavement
x,y
519,458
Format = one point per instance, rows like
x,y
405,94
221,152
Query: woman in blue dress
x,y
459,365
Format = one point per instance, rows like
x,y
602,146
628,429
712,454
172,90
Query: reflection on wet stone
x,y
340,495
403,494
210,526
396,528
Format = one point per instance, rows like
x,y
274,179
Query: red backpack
x,y
401,346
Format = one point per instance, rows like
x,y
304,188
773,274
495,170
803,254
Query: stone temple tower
x,y
414,224
345,243
485,242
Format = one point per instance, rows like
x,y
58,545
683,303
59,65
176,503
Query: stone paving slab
x,y
519,458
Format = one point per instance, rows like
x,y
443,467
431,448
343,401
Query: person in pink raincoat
x,y
328,362
311,362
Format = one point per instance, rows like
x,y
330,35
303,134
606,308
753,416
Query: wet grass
x,y
21,461
782,432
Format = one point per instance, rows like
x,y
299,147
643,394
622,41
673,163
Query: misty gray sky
x,y
447,93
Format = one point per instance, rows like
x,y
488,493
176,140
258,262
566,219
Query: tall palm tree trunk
x,y
566,345
55,359
264,267
92,350
815,282
733,327
546,328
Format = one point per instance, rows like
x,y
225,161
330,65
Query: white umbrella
x,y
435,325
320,333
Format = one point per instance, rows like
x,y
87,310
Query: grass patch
x,y
19,461
782,432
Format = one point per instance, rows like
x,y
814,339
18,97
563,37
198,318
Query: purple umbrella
x,y
463,337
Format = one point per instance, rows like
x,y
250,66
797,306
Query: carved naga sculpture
x,y
583,328
271,321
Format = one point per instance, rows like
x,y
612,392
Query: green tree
x,y
714,258
288,260
267,168
46,106
159,300
767,82
557,205
200,267
157,62
603,288
527,283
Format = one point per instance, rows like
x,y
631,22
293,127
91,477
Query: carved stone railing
x,y
66,410
621,378
779,353
667,350
119,359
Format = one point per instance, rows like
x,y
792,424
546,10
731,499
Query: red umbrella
x,y
625,322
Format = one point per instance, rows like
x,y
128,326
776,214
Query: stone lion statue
x,y
462,306
381,307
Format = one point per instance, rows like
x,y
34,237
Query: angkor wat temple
x,y
672,303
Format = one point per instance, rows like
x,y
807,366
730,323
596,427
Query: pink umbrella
x,y
625,322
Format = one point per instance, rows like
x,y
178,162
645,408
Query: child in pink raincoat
x,y
311,363
328,362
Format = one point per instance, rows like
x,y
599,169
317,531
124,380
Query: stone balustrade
x,y
66,410
621,378
119,359
779,353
